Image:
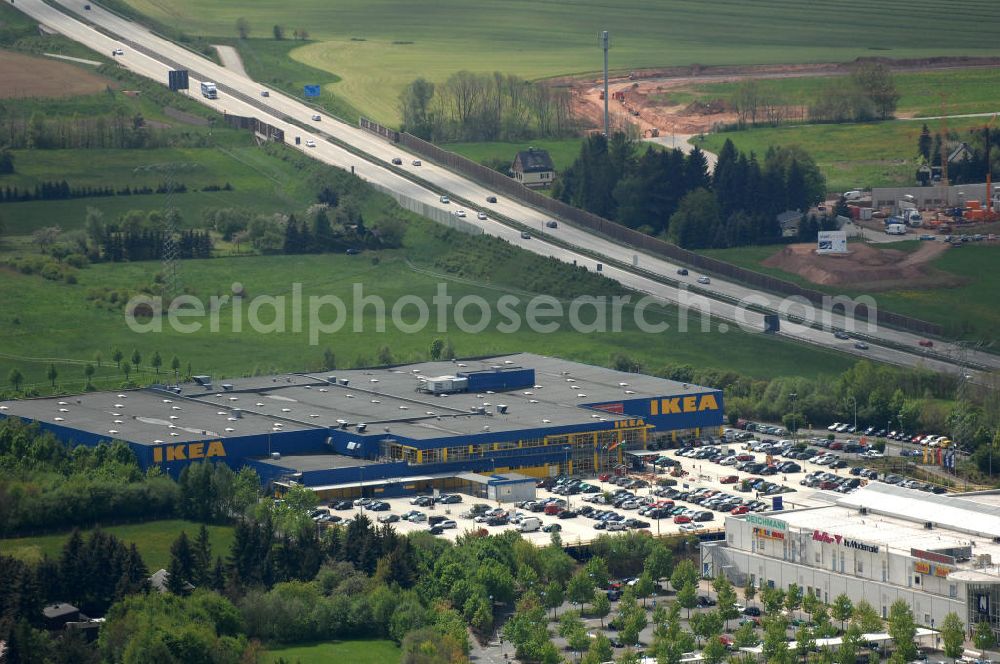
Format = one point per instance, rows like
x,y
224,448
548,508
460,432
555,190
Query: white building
x,y
881,543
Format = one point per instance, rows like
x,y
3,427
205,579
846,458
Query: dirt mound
x,y
866,266
710,107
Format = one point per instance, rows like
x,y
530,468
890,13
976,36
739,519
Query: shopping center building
x,y
881,544
393,430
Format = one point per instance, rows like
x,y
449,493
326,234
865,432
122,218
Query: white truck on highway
x,y
208,90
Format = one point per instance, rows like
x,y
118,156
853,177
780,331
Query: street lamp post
x,y
361,486
793,396
566,450
855,402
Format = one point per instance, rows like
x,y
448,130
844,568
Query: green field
x,y
851,156
260,182
55,323
968,311
153,539
972,90
378,46
373,651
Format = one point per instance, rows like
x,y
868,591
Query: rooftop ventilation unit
x,y
928,525
863,510
275,455
502,409
227,387
332,380
353,445
204,381
237,413
362,428
343,381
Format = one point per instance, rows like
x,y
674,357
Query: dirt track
x,y
866,267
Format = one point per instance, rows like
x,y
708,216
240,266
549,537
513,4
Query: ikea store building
x,y
394,430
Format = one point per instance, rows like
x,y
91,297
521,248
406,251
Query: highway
x,y
575,245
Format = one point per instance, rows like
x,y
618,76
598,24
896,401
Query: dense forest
x,y
671,195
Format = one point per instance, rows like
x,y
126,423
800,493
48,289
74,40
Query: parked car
x,y
388,518
551,528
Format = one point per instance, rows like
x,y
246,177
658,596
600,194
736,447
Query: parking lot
x,y
713,483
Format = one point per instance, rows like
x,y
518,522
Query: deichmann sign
x,y
766,522
189,451
821,536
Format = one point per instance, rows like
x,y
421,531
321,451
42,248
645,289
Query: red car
x,y
726,640
926,343
744,457
729,479
604,477
742,509
680,518
552,510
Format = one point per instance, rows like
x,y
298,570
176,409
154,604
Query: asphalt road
x,y
281,108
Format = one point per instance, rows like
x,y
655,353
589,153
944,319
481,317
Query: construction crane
x,y
944,141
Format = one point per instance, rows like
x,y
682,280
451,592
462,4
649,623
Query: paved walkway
x,y
72,59
230,58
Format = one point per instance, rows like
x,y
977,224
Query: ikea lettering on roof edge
x,y
523,413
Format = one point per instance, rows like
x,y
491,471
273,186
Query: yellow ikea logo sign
x,y
628,424
678,405
188,451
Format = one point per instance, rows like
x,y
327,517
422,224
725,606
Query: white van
x,y
853,195
530,524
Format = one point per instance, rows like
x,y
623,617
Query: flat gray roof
x,y
306,462
147,416
381,398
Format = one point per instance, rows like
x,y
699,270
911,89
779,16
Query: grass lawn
x,y
971,90
378,46
851,156
563,151
369,651
153,539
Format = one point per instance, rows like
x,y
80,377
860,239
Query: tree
x,y
644,587
684,574
384,356
52,374
175,364
278,32
415,106
849,645
156,362
805,642
242,27
580,589
597,570
745,636
329,360
601,606
902,629
749,590
687,597
842,609
15,378
436,347
983,638
136,358
659,562
810,603
726,598
773,599
865,616
793,598
88,373
924,143
696,222
554,596
953,635
876,81
714,652
775,647
117,355
126,369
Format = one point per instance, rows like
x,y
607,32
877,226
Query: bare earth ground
x,y
648,114
866,266
27,76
